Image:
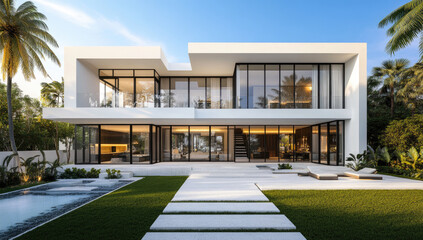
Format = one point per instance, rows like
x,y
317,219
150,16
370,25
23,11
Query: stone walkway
x,y
209,206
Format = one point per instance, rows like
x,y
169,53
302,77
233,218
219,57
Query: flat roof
x,y
214,59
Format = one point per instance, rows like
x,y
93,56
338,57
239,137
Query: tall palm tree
x,y
407,25
24,42
392,72
411,92
52,95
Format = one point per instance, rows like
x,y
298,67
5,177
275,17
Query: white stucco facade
x,y
81,66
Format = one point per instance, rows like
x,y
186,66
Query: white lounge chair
x,y
365,173
321,174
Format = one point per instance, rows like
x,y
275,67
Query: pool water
x,y
20,208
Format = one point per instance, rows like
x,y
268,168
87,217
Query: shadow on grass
x,y
353,214
125,214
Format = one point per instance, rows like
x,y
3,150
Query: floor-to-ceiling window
x,y
324,143
305,76
197,92
226,93
242,86
333,143
213,93
272,142
286,142
165,94
257,143
287,86
180,143
315,144
272,86
86,144
199,143
219,143
302,143
166,143
115,144
256,97
324,81
179,92
140,143
144,94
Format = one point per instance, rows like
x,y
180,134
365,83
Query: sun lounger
x,y
365,173
321,174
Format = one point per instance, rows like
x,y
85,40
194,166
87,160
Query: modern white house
x,y
238,102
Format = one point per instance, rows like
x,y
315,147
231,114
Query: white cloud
x,y
72,14
124,31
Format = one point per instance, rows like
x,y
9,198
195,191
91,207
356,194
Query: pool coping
x,y
41,224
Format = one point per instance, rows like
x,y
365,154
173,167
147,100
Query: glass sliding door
x,y
166,144
86,144
125,92
286,143
257,143
340,142
256,97
140,144
199,143
179,92
337,78
272,142
302,143
213,93
324,143
272,86
315,144
115,144
197,92
242,86
333,143
287,86
324,86
144,96
165,94
306,78
180,143
219,143
226,98
231,143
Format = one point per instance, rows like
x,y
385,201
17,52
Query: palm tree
x,y
411,92
392,72
407,25
24,42
52,95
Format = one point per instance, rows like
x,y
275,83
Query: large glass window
x,y
337,76
199,143
179,92
115,144
333,143
324,86
213,93
315,144
165,94
180,143
272,142
140,143
302,143
144,92
286,142
197,91
305,75
340,142
165,143
287,86
231,143
86,144
242,143
257,143
324,143
226,90
256,86
272,86
126,92
219,143
241,86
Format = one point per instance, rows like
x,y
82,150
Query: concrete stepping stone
x,y
223,236
197,222
215,207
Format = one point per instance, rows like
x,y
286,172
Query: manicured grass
x,y
21,186
125,214
353,214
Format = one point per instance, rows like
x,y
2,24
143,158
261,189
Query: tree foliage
x,y
403,134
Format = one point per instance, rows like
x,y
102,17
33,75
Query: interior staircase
x,y
241,146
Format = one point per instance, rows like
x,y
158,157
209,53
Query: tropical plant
x,y
51,172
284,166
392,72
357,162
80,173
401,135
113,174
378,156
411,92
407,24
24,42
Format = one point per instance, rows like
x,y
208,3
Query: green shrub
x,y
80,173
401,135
284,166
113,174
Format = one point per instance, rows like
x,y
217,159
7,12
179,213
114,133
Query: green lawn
x,y
13,188
353,214
125,214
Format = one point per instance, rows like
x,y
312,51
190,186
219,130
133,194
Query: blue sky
x,y
172,24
